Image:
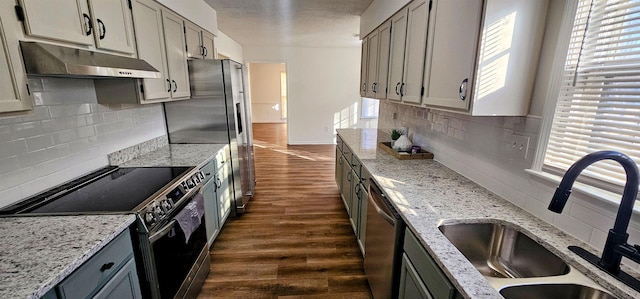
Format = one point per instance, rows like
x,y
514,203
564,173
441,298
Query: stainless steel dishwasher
x,y
383,245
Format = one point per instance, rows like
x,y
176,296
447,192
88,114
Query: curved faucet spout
x,y
618,235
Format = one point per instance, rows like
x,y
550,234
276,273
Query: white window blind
x,y
599,102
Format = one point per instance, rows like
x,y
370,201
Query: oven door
x,y
177,262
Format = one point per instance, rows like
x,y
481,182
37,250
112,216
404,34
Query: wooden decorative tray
x,y
422,154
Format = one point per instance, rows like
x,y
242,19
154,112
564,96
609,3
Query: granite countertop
x,y
37,253
176,155
428,194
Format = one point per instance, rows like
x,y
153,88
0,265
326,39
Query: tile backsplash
x,y
480,148
66,135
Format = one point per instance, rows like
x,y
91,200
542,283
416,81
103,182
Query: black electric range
x,y
171,262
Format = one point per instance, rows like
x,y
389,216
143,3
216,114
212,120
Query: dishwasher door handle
x,y
375,198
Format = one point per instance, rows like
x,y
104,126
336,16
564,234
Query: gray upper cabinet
x,y
103,24
363,67
13,80
373,41
453,38
375,69
414,54
396,54
113,25
200,44
161,42
483,55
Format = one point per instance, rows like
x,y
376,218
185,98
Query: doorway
x,y
268,85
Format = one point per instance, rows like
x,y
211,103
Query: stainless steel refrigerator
x,y
217,112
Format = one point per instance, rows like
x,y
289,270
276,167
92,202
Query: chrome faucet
x,y
616,245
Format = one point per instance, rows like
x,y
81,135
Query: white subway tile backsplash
x,y
12,148
39,142
598,238
27,129
67,135
32,158
589,216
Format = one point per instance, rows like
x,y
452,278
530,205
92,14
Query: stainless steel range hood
x,y
42,59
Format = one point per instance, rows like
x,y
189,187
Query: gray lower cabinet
x,y
212,224
110,273
420,276
217,195
352,180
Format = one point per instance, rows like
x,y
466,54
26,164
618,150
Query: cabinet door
x,y
176,55
209,45
123,285
417,20
355,201
384,40
147,17
13,81
113,28
452,57
362,218
338,169
212,224
346,184
372,64
223,192
363,67
411,286
194,41
396,54
62,20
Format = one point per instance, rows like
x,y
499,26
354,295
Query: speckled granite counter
x,y
36,253
176,155
427,194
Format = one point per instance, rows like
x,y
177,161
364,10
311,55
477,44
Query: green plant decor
x,y
395,134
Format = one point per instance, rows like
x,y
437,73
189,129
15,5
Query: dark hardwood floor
x,y
295,240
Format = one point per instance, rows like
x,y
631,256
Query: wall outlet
x,y
520,146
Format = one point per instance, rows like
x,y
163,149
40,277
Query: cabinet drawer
x,y
209,170
339,143
96,271
123,285
346,152
221,158
437,283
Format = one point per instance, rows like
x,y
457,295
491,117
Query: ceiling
x,y
293,23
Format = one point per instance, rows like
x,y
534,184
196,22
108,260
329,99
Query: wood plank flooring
x,y
295,240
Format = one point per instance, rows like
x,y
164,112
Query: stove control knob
x,y
201,175
190,183
159,211
185,187
166,205
149,218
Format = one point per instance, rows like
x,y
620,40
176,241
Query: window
x,y
370,108
598,105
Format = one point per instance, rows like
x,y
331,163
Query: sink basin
x,y
543,291
501,251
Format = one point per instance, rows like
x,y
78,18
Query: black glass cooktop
x,y
110,189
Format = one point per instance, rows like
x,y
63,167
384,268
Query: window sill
x,y
611,198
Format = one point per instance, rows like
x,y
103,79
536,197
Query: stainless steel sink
x,y
498,250
543,291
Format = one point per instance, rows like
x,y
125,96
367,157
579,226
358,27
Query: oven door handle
x,y
162,232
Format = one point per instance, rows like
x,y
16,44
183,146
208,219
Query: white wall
x,y
228,47
196,11
322,84
377,12
67,134
266,92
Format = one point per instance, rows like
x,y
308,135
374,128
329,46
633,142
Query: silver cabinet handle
x,y
364,86
169,82
175,85
463,89
374,86
398,88
402,89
